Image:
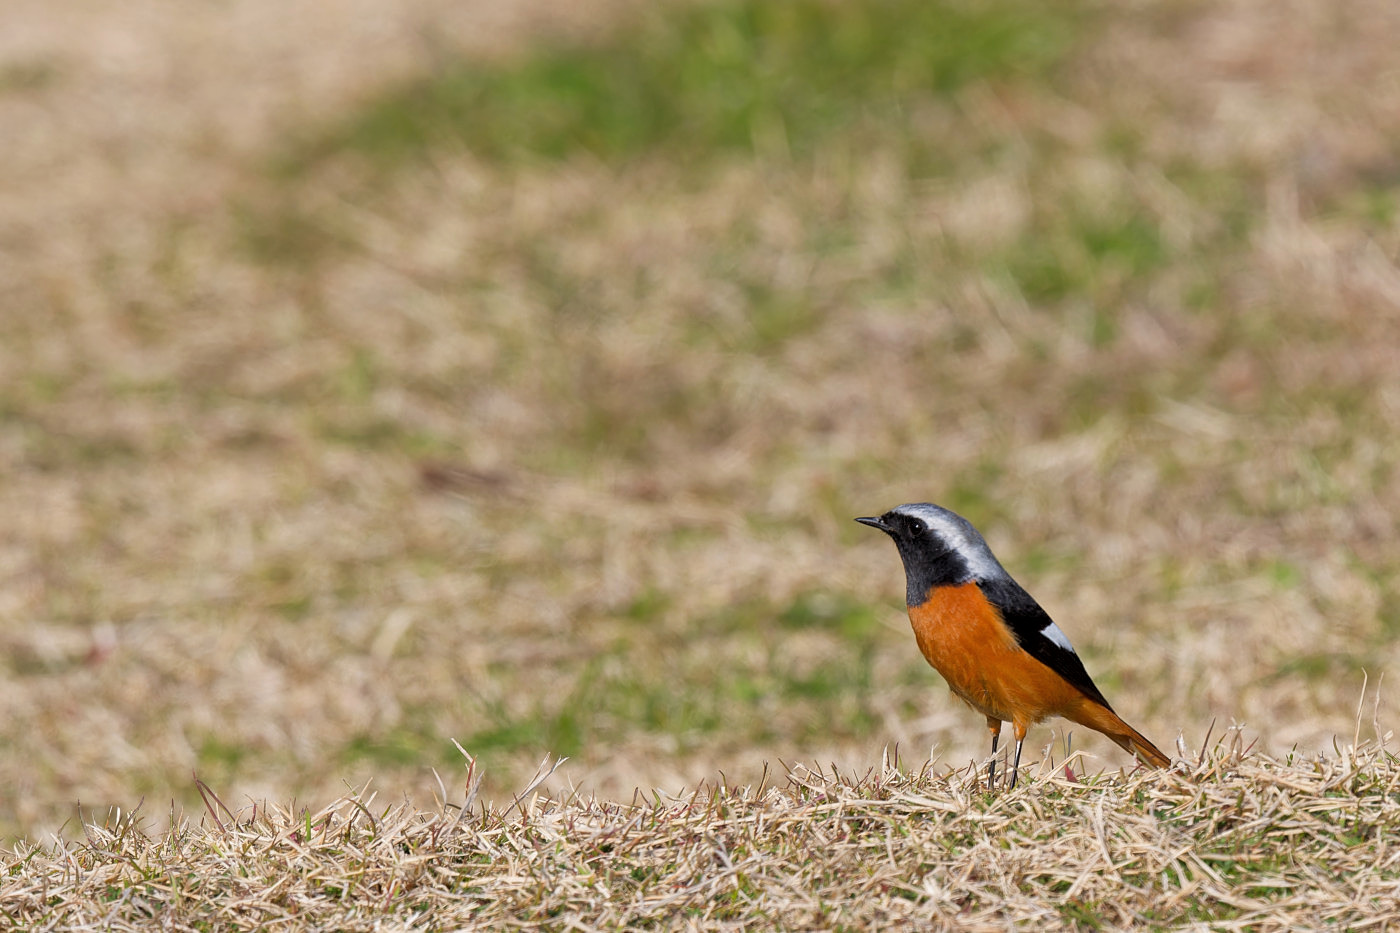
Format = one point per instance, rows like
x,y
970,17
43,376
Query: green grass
x,y
735,685
838,612
407,745
1087,256
767,78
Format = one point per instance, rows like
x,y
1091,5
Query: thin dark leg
x,y
1016,765
994,727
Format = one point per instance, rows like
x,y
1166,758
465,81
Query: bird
x,y
999,651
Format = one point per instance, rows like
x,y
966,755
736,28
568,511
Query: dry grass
x,y
1237,841
318,452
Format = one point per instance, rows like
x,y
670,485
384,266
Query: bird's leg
x,y
994,727
1020,731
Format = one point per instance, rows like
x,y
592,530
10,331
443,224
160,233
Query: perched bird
x,y
999,651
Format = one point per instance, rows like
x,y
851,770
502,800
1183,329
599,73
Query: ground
x,y
375,376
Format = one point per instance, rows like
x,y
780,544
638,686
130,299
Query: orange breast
x,y
963,636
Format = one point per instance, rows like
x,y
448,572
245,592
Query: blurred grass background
x,y
370,378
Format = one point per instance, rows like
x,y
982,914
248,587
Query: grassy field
x,y
1247,843
370,380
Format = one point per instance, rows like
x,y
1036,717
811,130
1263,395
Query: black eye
x,y
916,527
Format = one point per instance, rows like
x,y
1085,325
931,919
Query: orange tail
x,y
1102,719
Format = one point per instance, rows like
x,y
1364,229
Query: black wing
x,y
1028,622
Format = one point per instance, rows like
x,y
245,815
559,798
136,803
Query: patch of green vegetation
x,y
220,760
1234,195
507,736
692,698
561,725
1320,666
838,612
767,76
1081,255
1082,915
617,425
649,605
1389,611
405,745
973,493
1283,574
1040,559
359,377
1377,208
774,317
1101,254
285,235
294,608
367,430
1133,242
1093,396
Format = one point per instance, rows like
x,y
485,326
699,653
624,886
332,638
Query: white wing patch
x,y
1052,632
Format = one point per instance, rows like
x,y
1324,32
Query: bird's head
x,y
938,548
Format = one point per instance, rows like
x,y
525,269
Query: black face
x,y
905,529
928,560
905,526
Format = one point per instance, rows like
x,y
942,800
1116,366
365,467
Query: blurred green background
x,y
514,376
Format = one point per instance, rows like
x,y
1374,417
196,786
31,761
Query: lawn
x,y
512,377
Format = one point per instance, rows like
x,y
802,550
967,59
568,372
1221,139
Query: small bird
x,y
998,650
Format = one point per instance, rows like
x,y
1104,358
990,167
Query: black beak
x,y
876,523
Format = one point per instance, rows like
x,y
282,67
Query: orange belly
x,y
963,636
